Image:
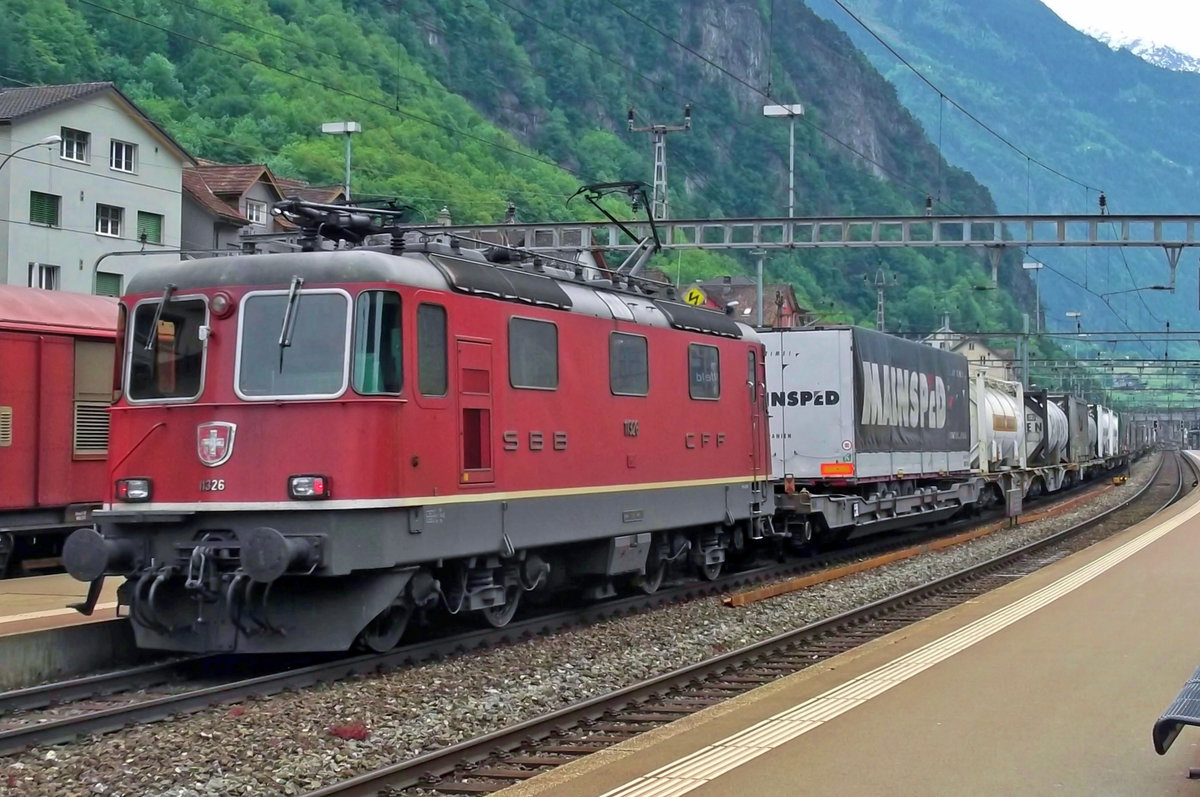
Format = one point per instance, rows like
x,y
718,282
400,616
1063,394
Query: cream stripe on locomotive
x,y
390,503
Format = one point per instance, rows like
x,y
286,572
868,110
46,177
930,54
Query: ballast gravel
x,y
291,743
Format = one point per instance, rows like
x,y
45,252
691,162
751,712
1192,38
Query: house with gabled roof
x,y
997,363
781,308
226,202
85,173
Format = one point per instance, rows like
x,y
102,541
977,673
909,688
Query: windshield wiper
x,y
158,311
289,317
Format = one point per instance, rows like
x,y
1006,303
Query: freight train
x,y
871,432
57,354
309,449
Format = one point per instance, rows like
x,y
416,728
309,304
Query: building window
x,y
431,349
108,284
256,211
108,220
44,276
704,371
121,156
628,365
43,208
149,227
532,354
74,145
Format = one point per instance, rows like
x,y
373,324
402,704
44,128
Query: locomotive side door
x,y
475,412
756,381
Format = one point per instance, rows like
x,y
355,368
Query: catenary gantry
x,y
857,231
993,234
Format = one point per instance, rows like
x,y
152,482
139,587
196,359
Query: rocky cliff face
x,y
728,59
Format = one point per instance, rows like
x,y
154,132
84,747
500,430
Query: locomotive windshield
x,y
168,364
313,365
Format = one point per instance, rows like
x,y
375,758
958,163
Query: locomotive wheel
x,y
384,632
499,616
711,572
652,579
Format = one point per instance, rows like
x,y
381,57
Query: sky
x,y
1174,23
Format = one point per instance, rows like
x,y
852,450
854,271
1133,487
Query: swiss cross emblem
x,y
214,442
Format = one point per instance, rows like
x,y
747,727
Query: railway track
x,y
514,754
108,702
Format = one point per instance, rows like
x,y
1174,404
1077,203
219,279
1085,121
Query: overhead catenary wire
x,y
992,131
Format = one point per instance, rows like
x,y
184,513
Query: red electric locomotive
x,y
57,352
308,447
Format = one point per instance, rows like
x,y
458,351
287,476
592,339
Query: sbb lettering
x,y
511,440
803,398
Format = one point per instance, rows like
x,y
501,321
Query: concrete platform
x,y
41,639
1050,685
39,602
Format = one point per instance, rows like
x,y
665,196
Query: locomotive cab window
x,y
432,365
377,353
704,372
292,344
166,357
628,365
532,354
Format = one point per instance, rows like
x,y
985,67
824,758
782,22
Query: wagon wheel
x,y
652,579
499,616
384,632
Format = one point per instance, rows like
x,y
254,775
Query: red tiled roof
x,y
233,179
313,193
197,188
745,293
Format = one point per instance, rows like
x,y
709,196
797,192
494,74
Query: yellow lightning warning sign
x,y
694,296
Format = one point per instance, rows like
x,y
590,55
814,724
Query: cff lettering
x,y
803,398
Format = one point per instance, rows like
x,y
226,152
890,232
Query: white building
x,y
998,363
113,183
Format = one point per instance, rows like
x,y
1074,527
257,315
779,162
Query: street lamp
x,y
791,112
1036,268
48,141
347,129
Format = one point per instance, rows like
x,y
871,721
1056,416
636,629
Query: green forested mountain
x,y
1107,120
471,104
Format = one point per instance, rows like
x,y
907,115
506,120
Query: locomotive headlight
x,y
221,304
133,490
308,488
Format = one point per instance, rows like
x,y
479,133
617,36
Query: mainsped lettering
x,y
901,397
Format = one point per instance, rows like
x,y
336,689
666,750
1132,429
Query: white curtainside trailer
x,y
867,430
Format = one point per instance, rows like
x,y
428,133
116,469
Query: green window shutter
x,y
43,208
150,225
108,284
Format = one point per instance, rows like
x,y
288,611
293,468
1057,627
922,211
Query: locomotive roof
x,y
432,266
37,310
